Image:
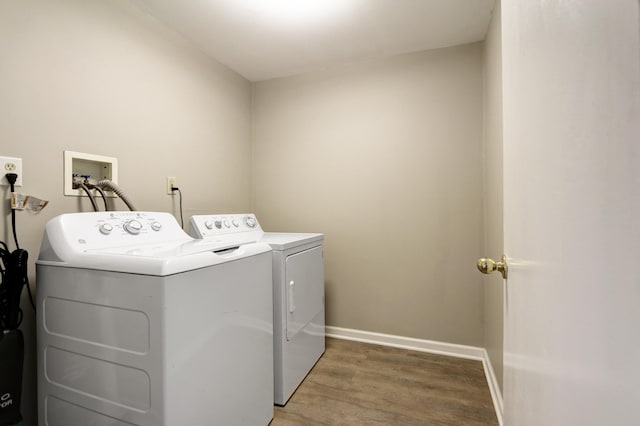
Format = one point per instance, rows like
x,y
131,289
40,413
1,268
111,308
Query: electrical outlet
x,y
171,182
10,165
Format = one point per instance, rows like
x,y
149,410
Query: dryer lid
x,y
286,240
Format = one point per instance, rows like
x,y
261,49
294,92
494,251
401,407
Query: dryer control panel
x,y
226,227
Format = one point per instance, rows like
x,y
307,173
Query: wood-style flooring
x,y
363,384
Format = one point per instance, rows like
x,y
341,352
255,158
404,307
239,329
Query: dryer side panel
x,y
304,289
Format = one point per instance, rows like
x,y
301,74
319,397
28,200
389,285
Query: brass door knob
x,y
487,266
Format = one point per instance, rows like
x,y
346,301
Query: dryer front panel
x,y
304,283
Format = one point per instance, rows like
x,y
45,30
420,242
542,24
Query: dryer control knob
x,y
106,228
250,222
208,224
218,224
156,226
227,224
235,223
133,227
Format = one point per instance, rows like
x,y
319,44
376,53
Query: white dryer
x,y
140,324
298,292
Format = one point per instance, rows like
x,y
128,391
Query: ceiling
x,y
265,39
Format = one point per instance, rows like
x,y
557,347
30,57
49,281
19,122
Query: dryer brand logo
x,y
6,400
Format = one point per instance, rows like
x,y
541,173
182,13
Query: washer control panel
x,y
241,227
94,230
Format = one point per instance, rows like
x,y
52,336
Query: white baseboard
x,y
494,388
431,346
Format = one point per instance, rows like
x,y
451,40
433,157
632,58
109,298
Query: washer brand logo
x,y
6,400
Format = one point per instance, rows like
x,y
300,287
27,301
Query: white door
x,y
571,87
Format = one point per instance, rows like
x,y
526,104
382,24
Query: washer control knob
x,y
208,224
227,224
106,228
218,224
156,226
235,222
250,222
133,227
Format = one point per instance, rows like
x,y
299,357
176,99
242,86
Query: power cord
x,y
174,189
14,273
12,178
26,282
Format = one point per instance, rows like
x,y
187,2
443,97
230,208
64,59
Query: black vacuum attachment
x,y
11,356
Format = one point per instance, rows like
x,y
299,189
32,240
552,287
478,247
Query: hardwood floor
x,y
363,384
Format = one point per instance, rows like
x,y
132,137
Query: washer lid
x,y
287,240
161,259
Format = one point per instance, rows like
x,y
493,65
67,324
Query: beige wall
x,y
385,158
493,190
100,77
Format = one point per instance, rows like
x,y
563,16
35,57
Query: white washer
x,y
298,293
140,324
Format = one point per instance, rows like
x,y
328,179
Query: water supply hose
x,y
104,197
85,188
107,184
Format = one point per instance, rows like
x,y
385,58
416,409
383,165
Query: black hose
x,y
93,201
103,195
